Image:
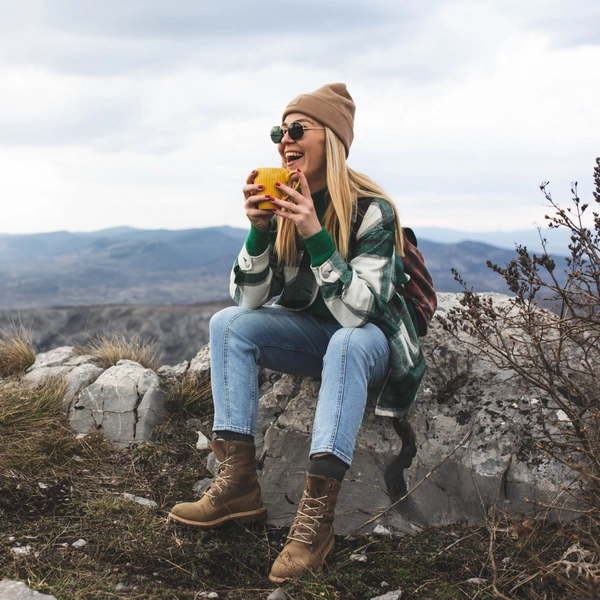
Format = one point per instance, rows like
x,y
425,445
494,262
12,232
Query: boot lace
x,y
307,519
221,479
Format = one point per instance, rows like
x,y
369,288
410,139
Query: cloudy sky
x,y
150,113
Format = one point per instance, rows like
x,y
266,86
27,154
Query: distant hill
x,y
126,266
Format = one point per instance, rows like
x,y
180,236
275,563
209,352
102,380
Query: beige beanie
x,y
331,105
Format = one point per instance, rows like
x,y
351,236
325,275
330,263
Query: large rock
x,y
78,370
468,444
17,590
125,402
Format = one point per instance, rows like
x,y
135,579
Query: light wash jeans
x,y
348,361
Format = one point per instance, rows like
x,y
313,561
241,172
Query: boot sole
x,y
250,516
316,572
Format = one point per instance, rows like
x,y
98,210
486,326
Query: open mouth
x,y
292,157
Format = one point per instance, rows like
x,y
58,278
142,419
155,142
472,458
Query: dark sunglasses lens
x,y
295,130
276,134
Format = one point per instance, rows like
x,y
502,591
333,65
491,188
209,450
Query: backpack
x,y
414,282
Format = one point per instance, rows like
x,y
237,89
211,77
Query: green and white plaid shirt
x,y
358,291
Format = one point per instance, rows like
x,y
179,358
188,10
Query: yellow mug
x,y
267,176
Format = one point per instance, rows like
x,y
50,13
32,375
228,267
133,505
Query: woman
x,y
329,255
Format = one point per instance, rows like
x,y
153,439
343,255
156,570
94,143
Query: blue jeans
x,y
348,361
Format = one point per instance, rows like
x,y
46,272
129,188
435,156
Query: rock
x,y
467,444
80,543
174,373
125,402
79,371
358,557
203,442
17,590
200,364
389,596
140,500
54,358
121,587
277,594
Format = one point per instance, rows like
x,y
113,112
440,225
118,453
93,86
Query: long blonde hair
x,y
344,187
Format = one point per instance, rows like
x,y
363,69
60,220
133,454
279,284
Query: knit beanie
x,y
331,105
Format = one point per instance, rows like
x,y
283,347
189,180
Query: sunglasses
x,y
295,130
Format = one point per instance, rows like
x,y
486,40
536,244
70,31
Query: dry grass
x,y
16,351
109,350
191,396
56,489
33,426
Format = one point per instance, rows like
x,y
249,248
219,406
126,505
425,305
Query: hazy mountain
x,y
125,266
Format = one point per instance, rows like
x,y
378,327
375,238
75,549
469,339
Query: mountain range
x,y
126,266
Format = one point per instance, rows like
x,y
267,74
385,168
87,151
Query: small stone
x,y
42,486
80,543
277,594
121,587
22,550
140,500
384,584
203,442
359,557
381,530
477,580
395,595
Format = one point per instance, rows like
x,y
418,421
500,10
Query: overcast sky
x,y
150,113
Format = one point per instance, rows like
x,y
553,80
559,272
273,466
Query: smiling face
x,y
307,153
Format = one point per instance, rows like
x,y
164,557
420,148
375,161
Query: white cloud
x,y
151,114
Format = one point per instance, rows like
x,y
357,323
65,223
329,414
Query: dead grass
x,y
62,489
109,350
16,351
191,396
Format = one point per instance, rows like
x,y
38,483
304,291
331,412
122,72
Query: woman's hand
x,y
259,218
298,208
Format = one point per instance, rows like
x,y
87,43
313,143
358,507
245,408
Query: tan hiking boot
x,y
310,539
234,494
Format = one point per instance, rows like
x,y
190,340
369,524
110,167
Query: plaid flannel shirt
x,y
358,291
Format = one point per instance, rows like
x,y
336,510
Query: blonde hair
x,y
344,187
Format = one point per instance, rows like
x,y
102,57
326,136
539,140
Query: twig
x,y
458,542
385,511
497,592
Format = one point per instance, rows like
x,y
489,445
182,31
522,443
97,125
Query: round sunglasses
x,y
295,130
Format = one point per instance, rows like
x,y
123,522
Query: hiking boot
x,y
310,539
234,494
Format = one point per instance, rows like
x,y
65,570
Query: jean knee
x,y
220,321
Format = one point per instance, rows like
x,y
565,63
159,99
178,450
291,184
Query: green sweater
x,y
319,247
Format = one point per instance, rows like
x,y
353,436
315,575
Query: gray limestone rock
x,y
468,444
17,590
78,370
125,402
200,364
175,372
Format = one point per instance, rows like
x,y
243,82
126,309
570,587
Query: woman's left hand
x,y
301,211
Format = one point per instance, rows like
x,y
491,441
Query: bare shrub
x,y
555,349
109,350
16,351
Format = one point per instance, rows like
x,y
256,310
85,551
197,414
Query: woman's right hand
x,y
252,195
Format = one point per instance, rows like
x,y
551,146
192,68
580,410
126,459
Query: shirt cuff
x,y
320,246
257,241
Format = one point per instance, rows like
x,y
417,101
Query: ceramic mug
x,y
268,176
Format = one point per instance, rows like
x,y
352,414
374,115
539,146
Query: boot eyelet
x,y
231,448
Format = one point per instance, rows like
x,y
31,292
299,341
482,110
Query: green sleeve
x,y
257,241
320,247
